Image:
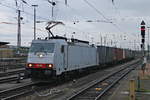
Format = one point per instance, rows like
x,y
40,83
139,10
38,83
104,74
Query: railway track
x,y
97,89
15,92
8,79
27,89
2,74
12,78
14,75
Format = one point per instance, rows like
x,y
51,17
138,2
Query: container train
x,y
52,57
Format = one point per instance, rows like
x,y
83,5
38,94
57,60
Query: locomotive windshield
x,y
42,47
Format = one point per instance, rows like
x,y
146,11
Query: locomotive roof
x,y
62,39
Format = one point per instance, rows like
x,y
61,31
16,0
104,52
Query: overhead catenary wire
x,y
74,10
13,8
101,14
107,20
76,21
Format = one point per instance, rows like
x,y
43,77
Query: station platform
x,y
142,85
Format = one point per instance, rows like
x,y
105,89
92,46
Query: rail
x,y
98,88
13,93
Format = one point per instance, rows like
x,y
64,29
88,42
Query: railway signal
x,y
143,35
143,44
143,31
143,41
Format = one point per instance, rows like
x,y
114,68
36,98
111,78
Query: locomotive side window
x,y
42,47
62,49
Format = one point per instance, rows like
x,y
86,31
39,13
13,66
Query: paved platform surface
x,y
121,91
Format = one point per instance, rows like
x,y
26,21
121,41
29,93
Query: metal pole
x,y
52,13
148,41
92,40
132,90
138,83
19,30
105,41
134,45
101,40
34,21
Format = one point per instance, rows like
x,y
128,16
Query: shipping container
x,y
106,54
119,54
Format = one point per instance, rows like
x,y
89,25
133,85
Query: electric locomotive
x,y
56,55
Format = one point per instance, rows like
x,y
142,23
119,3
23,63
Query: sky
x,y
99,21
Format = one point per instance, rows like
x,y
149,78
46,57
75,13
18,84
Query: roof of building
x,y
4,43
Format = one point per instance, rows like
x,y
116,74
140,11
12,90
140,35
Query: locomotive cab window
x,y
42,47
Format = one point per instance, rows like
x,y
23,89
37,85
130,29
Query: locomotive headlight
x,y
40,55
29,65
49,65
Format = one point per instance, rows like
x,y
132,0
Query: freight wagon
x,y
112,55
106,55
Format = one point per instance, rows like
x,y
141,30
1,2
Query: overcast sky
x,y
125,15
